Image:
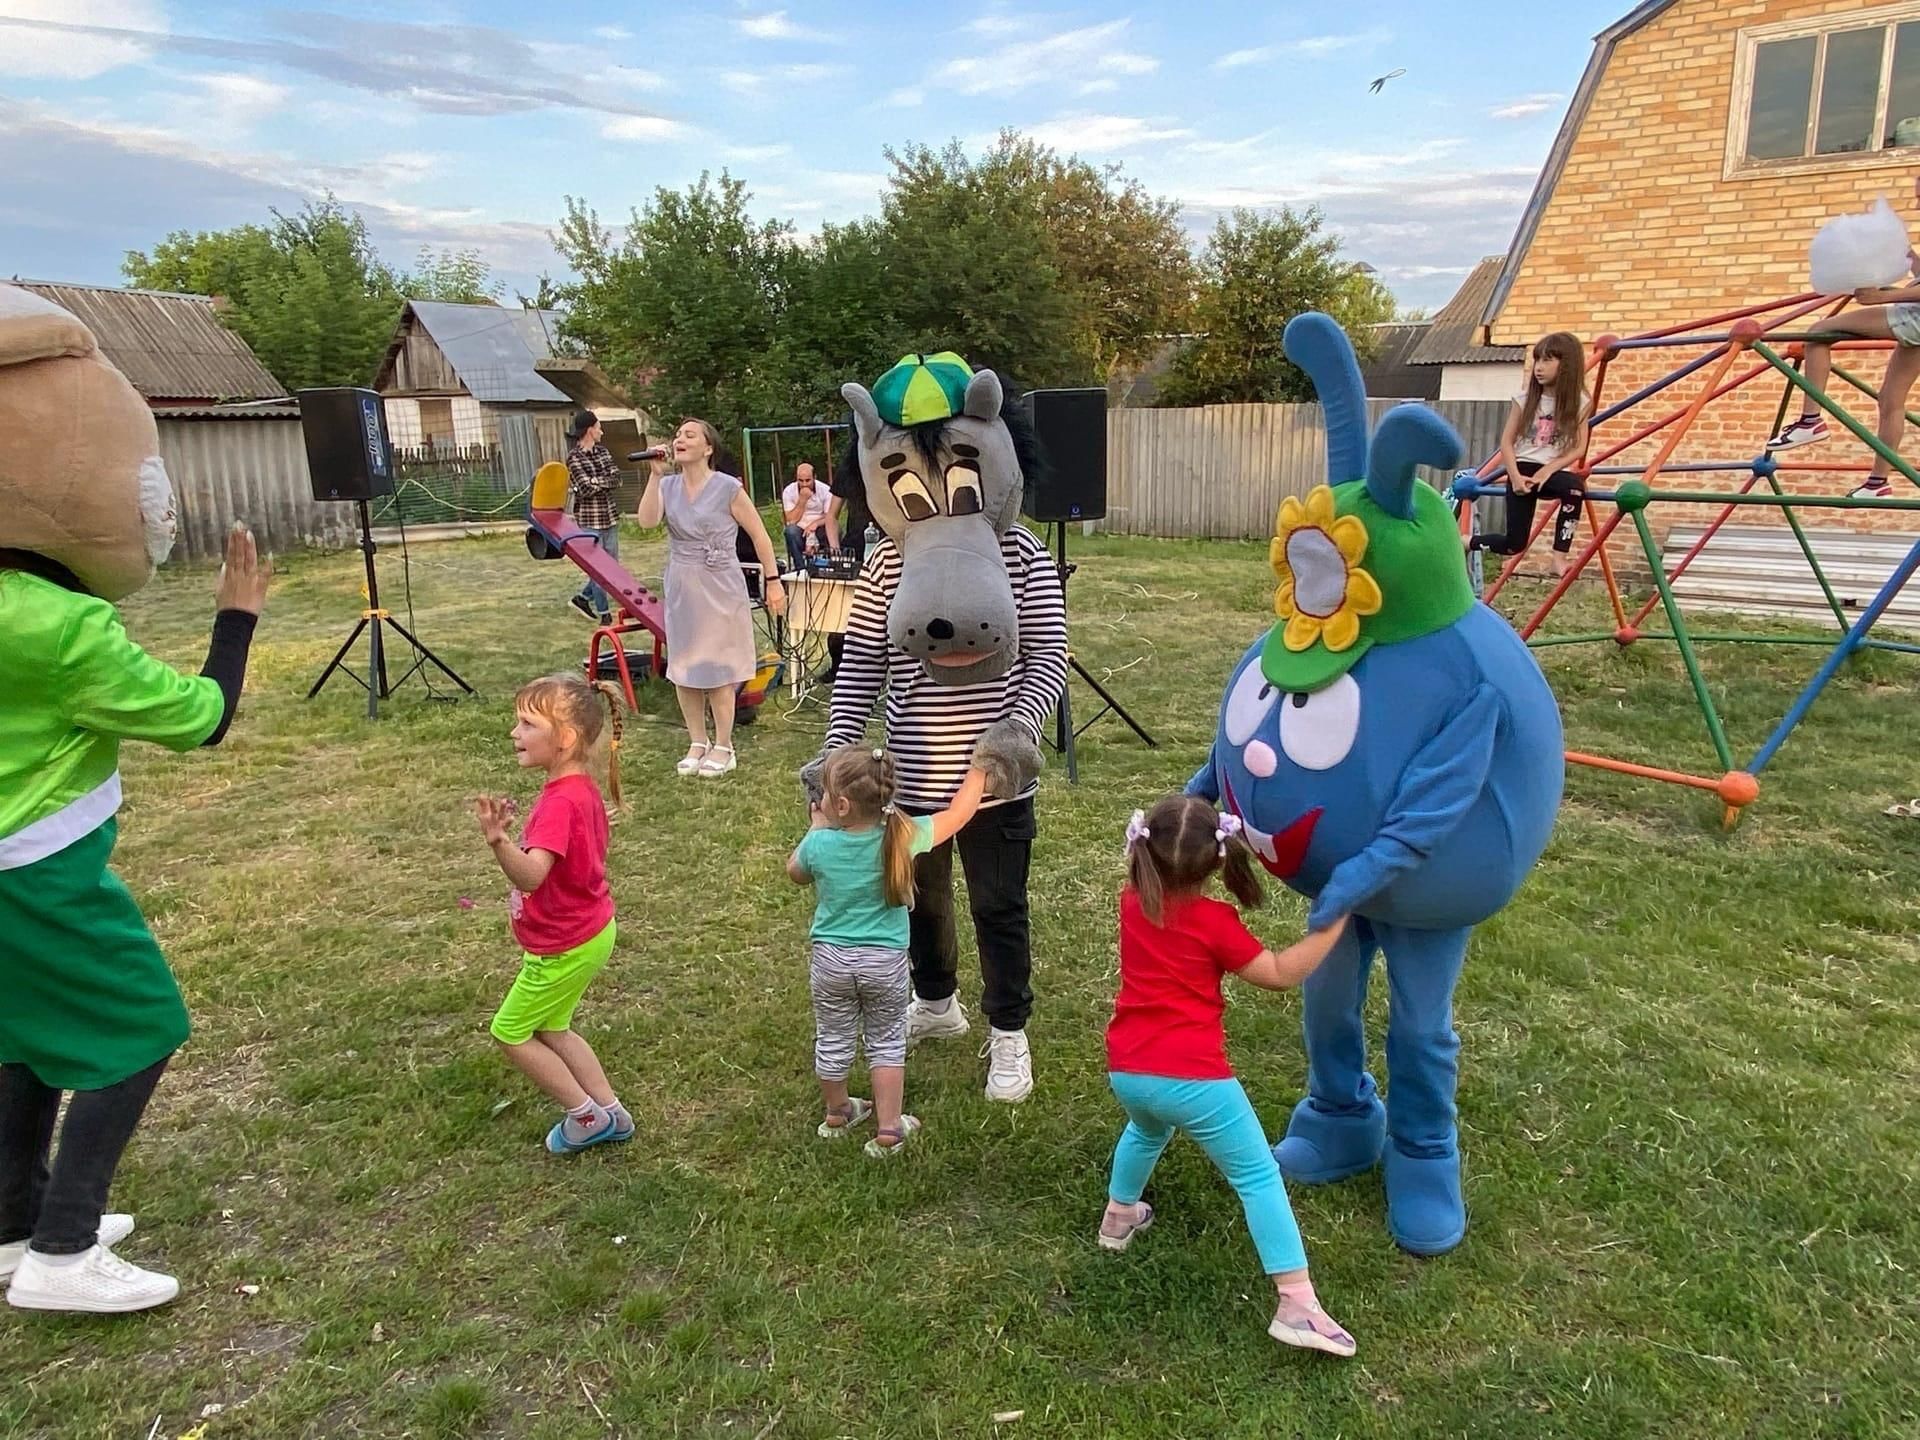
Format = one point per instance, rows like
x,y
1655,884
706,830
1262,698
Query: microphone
x,y
658,452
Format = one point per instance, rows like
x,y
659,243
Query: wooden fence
x,y
1221,471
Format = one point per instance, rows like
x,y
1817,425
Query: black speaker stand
x,y
1065,735
371,619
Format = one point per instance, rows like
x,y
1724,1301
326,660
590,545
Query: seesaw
x,y
552,534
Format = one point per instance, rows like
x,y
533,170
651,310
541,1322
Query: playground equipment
x,y
553,535
1754,331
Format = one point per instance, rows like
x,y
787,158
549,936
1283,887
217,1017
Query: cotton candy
x,y
1853,252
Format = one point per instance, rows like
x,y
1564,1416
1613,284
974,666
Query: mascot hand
x,y
1012,761
811,780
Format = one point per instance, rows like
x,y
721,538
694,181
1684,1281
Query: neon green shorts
x,y
548,989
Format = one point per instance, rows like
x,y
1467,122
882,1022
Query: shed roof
x,y
1457,335
1391,374
1603,45
492,348
170,346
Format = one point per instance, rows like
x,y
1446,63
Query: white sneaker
x,y
113,1229
925,1024
1009,1066
98,1283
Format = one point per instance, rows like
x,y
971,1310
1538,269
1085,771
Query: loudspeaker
x,y
348,454
1072,429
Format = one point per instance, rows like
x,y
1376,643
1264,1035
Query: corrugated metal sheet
x,y
172,347
224,471
492,348
1455,336
1391,374
1221,471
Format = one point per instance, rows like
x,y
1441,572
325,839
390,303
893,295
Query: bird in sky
x,y
1390,75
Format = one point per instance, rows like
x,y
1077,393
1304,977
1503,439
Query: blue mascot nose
x,y
940,629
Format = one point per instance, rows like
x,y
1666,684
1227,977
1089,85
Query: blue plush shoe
x,y
1426,1210
1319,1148
559,1144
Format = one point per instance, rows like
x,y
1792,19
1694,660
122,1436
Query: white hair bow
x,y
1137,830
1229,826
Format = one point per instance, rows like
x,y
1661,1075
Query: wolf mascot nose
x,y
1395,755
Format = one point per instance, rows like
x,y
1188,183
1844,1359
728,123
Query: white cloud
x,y
996,25
1313,46
755,152
1100,134
644,128
756,82
1526,106
1028,64
29,50
774,25
612,32
228,104
1098,87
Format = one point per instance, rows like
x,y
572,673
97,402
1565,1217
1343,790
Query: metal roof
x,y
1637,18
1391,374
1457,334
492,348
289,411
172,347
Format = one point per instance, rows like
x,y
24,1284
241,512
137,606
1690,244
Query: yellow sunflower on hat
x,y
1323,591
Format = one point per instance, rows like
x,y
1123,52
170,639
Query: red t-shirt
x,y
1166,1019
573,903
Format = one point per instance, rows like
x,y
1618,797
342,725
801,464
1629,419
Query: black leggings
x,y
58,1207
1564,487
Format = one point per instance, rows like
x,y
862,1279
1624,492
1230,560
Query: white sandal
x,y
691,762
711,766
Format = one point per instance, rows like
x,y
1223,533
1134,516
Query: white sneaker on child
x,y
113,1229
98,1282
1009,1066
924,1023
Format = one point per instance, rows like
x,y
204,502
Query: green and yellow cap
x,y
922,388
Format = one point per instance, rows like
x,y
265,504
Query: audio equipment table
x,y
817,610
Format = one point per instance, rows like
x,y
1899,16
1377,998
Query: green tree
x,y
460,276
687,304
308,293
1258,272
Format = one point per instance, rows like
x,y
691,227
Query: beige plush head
x,y
81,481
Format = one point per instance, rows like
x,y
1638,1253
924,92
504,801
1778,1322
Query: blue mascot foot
x,y
1426,1212
1320,1148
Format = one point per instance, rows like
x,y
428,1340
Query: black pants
x,y
58,1207
1564,487
995,850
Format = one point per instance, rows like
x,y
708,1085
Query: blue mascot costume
x,y
1395,755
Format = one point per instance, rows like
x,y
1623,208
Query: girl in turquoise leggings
x,y
1166,1047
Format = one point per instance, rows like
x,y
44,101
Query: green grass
x,y
1689,1089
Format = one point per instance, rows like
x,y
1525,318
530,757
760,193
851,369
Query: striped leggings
x,y
860,995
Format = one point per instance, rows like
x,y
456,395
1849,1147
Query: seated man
x,y
810,524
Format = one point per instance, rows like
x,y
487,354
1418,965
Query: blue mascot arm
x,y
1205,782
1437,788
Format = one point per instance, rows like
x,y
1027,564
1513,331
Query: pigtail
x,y
617,722
1237,871
1143,869
896,837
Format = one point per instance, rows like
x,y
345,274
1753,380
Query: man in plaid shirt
x,y
593,476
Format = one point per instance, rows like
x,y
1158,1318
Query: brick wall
x,y
1642,232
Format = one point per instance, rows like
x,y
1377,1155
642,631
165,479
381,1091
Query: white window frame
x,y
1747,45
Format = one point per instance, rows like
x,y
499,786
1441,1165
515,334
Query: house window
x,y
1822,96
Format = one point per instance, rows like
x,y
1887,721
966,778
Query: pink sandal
x,y
1125,1237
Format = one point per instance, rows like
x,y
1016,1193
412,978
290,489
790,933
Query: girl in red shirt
x,y
1166,1048
561,910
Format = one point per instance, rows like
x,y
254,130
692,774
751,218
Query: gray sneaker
x,y
925,1024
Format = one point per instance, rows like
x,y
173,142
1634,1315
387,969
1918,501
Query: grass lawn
x,y
1690,1088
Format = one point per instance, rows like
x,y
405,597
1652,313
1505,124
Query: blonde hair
x,y
1181,851
575,702
865,780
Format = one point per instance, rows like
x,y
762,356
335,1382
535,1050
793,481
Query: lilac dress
x,y
709,623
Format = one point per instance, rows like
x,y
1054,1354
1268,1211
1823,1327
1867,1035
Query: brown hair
x,y
864,779
1569,395
1180,852
575,702
713,439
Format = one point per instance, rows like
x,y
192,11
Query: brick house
x,y
1707,142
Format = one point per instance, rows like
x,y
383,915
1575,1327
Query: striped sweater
x,y
931,728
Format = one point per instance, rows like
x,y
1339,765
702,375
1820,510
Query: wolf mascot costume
x,y
1395,755
85,515
959,619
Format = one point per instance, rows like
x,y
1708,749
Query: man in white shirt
x,y
809,516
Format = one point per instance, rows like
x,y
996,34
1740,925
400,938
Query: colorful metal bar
x,y
1826,402
1679,627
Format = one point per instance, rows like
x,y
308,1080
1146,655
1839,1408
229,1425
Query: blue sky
x,y
464,123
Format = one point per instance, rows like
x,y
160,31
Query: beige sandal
x,y
691,762
713,765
